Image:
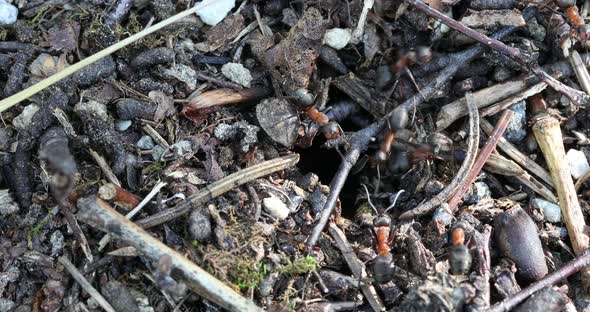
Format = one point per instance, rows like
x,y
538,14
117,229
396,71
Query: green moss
x,y
249,275
300,266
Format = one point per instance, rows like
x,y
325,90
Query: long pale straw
x,y
49,81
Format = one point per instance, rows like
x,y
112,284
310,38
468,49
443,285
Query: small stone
x,y
182,147
123,124
157,152
8,13
237,73
338,283
309,181
276,207
185,74
516,130
536,30
212,12
200,227
119,296
266,286
57,243
337,38
551,211
5,304
7,204
24,119
479,191
145,143
577,162
247,133
317,200
441,215
279,119
433,187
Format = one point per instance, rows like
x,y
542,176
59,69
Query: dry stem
x,y
548,134
99,214
85,284
482,157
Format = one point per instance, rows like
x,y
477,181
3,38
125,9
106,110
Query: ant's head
x,y
382,220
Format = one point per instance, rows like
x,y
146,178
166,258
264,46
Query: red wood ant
x,y
459,255
382,265
331,129
574,16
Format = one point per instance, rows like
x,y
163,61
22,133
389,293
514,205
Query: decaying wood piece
x,y
517,155
99,214
548,134
357,267
501,165
353,86
505,103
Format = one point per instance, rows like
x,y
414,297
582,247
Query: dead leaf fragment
x,y
279,120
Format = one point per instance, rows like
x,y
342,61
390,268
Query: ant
x,y
459,255
382,264
331,129
574,16
398,120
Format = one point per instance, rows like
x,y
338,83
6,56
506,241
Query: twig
x,y
104,166
359,143
99,214
481,159
220,82
517,155
155,135
505,103
482,281
358,32
580,70
47,82
577,97
356,267
220,187
107,238
472,143
85,284
548,134
547,281
256,201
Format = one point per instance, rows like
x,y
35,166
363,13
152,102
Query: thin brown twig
x,y
482,157
472,142
568,269
577,97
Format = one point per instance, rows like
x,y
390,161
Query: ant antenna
x,y
378,180
394,201
369,199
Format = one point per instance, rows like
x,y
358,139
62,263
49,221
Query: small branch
x,y
482,157
85,284
580,70
357,34
548,134
359,143
155,135
472,143
220,187
517,155
356,267
104,166
99,214
505,103
565,271
107,238
576,96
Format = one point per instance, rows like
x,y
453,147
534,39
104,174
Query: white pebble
x,y
8,13
551,211
337,38
237,73
578,163
122,124
276,207
24,119
145,143
212,12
